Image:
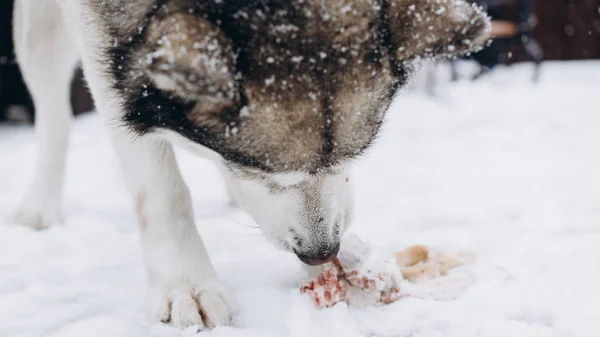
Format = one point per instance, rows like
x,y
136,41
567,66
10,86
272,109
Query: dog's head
x,y
300,212
287,93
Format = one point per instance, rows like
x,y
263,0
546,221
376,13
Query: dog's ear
x,y
430,28
191,59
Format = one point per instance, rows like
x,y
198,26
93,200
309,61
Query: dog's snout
x,y
320,256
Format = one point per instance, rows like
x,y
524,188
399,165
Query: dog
x,y
282,94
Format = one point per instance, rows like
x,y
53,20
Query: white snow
x,y
503,168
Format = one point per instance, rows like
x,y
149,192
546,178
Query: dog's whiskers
x,y
239,222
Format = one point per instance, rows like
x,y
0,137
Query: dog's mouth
x,y
319,257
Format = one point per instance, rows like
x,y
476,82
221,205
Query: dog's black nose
x,y
319,257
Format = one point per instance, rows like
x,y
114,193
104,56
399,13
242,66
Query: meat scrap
x,y
333,285
418,271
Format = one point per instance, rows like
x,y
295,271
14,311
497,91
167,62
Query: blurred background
x,y
525,30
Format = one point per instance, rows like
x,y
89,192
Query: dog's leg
x,y
183,285
184,289
47,58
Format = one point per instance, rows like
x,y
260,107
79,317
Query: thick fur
x,y
282,95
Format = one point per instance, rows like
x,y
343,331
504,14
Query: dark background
x,y
565,29
13,91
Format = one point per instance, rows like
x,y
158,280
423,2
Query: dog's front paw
x,y
38,218
187,305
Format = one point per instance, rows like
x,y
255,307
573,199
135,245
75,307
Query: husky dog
x,y
281,94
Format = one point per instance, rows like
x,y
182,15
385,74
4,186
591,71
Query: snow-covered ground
x,y
501,167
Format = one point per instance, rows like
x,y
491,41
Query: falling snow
x,y
503,168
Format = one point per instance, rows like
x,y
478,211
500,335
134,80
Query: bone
x,y
360,279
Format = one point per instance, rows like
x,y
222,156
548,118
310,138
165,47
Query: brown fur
x,y
428,28
284,85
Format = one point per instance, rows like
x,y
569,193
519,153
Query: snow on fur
x,y
501,167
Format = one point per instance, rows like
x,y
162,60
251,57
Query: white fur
x,y
288,179
281,215
47,57
182,280
50,36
